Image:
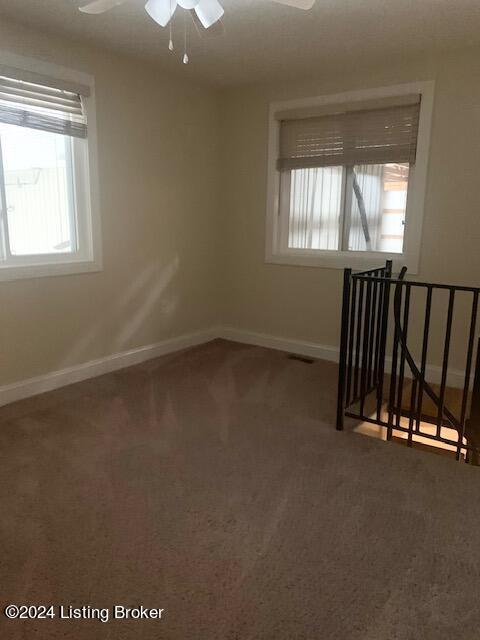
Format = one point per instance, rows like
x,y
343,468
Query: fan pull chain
x,y
170,42
185,54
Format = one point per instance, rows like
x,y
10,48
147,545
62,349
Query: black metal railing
x,y
366,331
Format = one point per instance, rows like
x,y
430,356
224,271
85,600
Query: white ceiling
x,y
266,41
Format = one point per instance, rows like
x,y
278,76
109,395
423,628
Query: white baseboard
x,y
56,379
77,373
455,378
300,347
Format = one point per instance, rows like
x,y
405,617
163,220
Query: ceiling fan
x,y
206,14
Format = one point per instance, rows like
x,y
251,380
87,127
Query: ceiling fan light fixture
x,y
206,14
161,10
188,4
209,12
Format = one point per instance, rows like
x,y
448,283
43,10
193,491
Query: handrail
x,y
415,283
367,271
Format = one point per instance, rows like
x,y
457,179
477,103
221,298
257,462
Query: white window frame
x,y
88,257
276,251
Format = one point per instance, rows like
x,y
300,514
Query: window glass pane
x,y
315,207
39,191
379,202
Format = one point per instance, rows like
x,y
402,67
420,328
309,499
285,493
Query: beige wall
x,y
183,212
304,302
158,172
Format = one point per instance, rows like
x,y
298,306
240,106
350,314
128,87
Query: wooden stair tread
x,y
453,399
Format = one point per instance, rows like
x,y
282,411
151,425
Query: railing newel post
x,y
342,369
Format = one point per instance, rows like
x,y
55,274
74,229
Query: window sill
x,y
342,260
31,271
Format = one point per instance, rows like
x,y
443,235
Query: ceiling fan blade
x,y
298,4
161,10
217,29
209,12
100,6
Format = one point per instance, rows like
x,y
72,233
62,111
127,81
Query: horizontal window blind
x,y
36,106
362,136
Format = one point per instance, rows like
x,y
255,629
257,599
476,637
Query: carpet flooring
x,y
212,484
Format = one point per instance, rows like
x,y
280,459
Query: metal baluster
x,y
383,338
393,379
426,334
378,329
411,413
406,310
350,341
373,318
357,345
343,348
365,348
468,370
474,420
446,351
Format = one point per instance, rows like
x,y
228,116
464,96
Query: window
x,y
346,178
46,222
38,186
360,208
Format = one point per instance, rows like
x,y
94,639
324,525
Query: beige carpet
x,y
212,484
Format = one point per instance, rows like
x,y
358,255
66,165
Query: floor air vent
x,y
301,359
